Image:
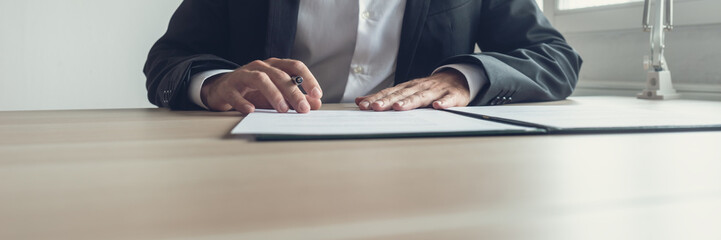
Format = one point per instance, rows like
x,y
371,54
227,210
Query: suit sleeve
x,y
195,41
524,57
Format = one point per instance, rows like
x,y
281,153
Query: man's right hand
x,y
263,84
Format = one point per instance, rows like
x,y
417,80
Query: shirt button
x,y
366,15
357,69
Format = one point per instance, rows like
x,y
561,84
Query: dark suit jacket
x,y
524,57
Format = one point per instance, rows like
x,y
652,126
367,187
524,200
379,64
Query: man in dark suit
x,y
258,45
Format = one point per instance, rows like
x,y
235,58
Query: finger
x,y
220,107
315,103
358,100
386,103
257,98
447,101
216,102
401,91
366,103
260,81
240,104
362,103
370,102
298,68
282,81
419,99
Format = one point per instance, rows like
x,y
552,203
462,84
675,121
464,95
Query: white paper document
x,y
596,117
356,122
602,117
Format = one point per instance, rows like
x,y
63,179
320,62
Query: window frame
x,y
628,15
596,8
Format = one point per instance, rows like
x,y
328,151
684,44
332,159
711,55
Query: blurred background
x,y
77,54
608,35
89,54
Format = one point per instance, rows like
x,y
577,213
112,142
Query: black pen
x,y
298,80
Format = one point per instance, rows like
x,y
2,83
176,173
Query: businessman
x,y
383,55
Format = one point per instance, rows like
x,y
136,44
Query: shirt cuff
x,y
196,83
475,76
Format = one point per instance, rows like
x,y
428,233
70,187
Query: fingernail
x,y
283,106
303,107
401,103
316,93
380,103
365,104
439,103
247,108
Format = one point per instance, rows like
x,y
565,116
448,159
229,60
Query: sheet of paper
x,y
352,122
598,117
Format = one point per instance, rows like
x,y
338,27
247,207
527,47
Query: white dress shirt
x,y
351,47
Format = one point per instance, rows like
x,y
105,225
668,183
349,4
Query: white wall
x,y
77,54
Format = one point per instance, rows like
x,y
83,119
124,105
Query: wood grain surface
x,y
160,174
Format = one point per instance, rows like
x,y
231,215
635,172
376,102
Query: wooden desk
x,y
159,174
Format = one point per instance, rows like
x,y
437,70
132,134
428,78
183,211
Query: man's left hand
x,y
441,90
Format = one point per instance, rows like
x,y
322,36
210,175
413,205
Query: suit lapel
x,y
282,24
413,21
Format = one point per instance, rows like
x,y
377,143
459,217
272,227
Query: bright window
x,y
576,4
